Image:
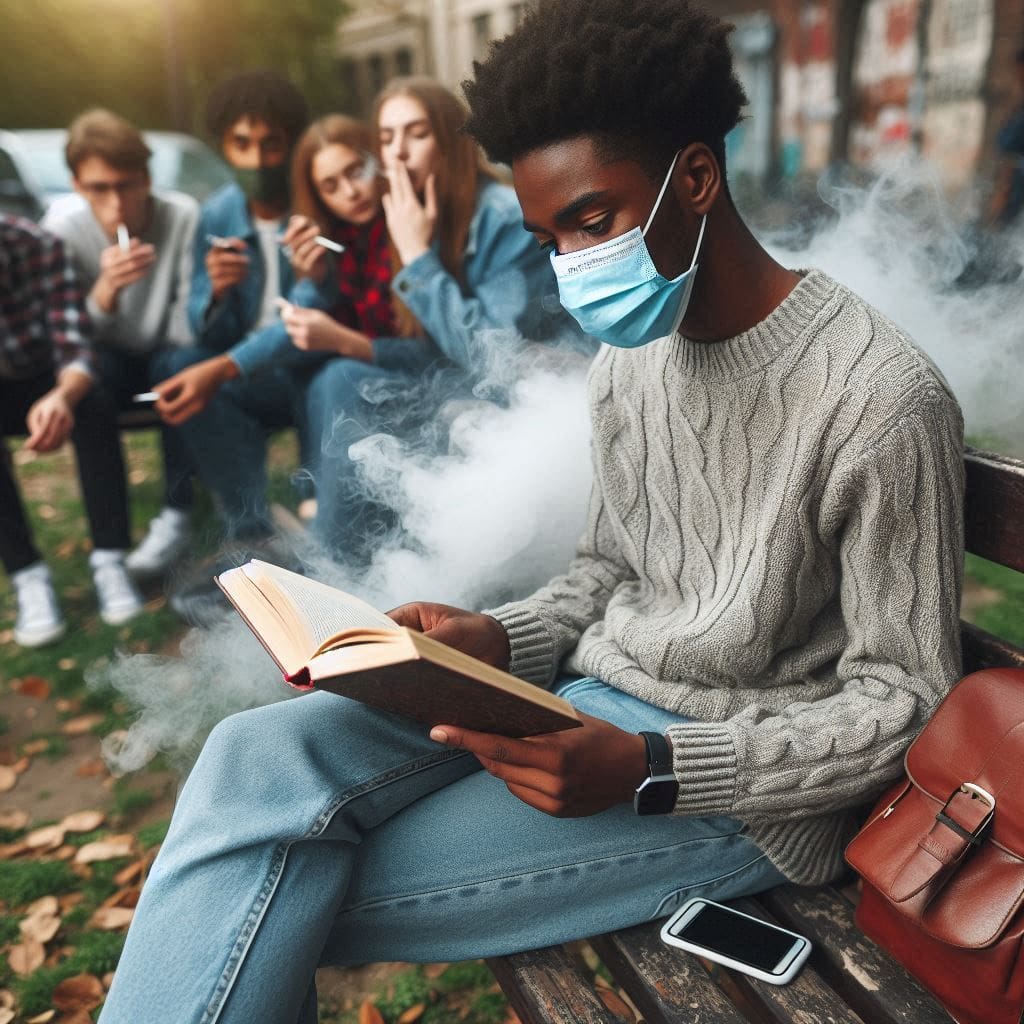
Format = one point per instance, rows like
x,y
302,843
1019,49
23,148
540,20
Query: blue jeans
x,y
227,441
319,831
346,401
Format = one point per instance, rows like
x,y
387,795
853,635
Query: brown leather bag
x,y
942,855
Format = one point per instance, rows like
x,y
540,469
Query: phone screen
x,y
737,937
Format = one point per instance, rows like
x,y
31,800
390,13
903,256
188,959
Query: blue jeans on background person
x,y
319,831
227,441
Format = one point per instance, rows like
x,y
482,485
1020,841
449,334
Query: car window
x,y
14,196
46,158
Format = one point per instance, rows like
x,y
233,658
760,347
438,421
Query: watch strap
x,y
659,754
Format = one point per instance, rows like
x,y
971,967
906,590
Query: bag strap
x,y
959,827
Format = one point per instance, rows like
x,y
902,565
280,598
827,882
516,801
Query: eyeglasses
x,y
101,190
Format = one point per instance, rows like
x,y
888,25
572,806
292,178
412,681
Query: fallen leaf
x,y
66,665
34,747
130,873
8,778
66,548
369,1014
108,979
26,957
83,821
434,970
42,1018
70,900
412,1014
81,725
49,837
109,848
11,850
13,820
46,511
125,898
65,852
615,1003
32,686
112,918
44,905
67,705
21,765
91,768
6,998
41,927
82,992
6,1015
31,712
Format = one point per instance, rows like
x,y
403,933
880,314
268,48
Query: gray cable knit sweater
x,y
774,549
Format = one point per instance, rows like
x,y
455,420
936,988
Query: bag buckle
x,y
975,792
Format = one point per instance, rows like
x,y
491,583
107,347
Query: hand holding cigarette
x,y
121,265
307,248
226,264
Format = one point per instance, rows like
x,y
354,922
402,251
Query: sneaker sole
x,y
40,639
120,618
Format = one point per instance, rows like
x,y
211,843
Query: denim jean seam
x,y
273,876
379,903
744,868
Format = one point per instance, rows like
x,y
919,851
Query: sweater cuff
x,y
533,651
100,318
704,762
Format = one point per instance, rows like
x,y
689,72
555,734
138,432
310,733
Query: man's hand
x,y
226,267
119,269
312,330
309,258
470,632
568,774
411,224
189,391
49,422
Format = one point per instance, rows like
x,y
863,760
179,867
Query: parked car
x,y
33,172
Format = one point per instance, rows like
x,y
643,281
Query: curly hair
x,y
644,77
263,95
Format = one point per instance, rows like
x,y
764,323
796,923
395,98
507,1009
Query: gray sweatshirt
x,y
152,311
774,549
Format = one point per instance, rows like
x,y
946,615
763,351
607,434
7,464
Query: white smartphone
x,y
737,940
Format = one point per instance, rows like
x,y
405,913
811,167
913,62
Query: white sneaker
x,y
166,540
39,619
120,600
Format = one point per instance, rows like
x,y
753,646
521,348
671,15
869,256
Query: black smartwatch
x,y
657,793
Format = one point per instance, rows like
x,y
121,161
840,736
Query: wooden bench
x,y
848,978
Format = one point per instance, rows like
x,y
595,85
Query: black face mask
x,y
264,184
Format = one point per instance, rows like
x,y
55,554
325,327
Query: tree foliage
x,y
154,61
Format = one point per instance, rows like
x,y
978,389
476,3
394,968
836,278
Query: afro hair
x,y
645,77
263,95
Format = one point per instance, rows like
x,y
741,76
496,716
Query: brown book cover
x,y
377,662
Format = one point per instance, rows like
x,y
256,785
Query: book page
x,y
321,610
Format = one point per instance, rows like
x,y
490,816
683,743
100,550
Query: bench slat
x,y
874,984
546,986
994,508
808,997
668,986
983,650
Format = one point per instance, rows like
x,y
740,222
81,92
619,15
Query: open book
x,y
323,638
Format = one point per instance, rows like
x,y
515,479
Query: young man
x,y
133,253
225,394
761,615
45,382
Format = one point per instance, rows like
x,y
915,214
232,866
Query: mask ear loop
x,y
661,194
700,238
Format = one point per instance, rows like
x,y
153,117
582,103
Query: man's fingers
x,y
500,749
430,197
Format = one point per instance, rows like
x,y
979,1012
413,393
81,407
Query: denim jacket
x,y
509,284
228,325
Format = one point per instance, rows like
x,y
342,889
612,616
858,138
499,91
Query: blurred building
x,y
828,80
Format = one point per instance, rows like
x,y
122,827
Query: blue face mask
x,y
614,290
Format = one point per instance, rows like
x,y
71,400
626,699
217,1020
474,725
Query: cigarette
x,y
328,243
124,240
146,396
219,243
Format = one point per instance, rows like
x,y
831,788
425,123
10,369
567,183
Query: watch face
x,y
656,795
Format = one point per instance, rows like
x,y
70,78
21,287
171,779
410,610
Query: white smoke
x,y
901,245
492,518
